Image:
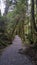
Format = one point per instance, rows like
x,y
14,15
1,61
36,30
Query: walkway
x,y
10,55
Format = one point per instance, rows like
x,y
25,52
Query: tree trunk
x,y
33,16
36,12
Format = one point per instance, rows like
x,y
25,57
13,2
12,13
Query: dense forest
x,y
20,20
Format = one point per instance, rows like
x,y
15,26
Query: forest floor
x,y
31,52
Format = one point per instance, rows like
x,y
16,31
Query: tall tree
x,y
36,11
33,23
33,16
8,3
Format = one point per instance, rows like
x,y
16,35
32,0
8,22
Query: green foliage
x,y
17,23
16,17
3,25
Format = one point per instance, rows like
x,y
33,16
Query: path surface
x,y
10,55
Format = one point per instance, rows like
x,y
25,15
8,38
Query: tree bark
x,y
36,11
33,16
